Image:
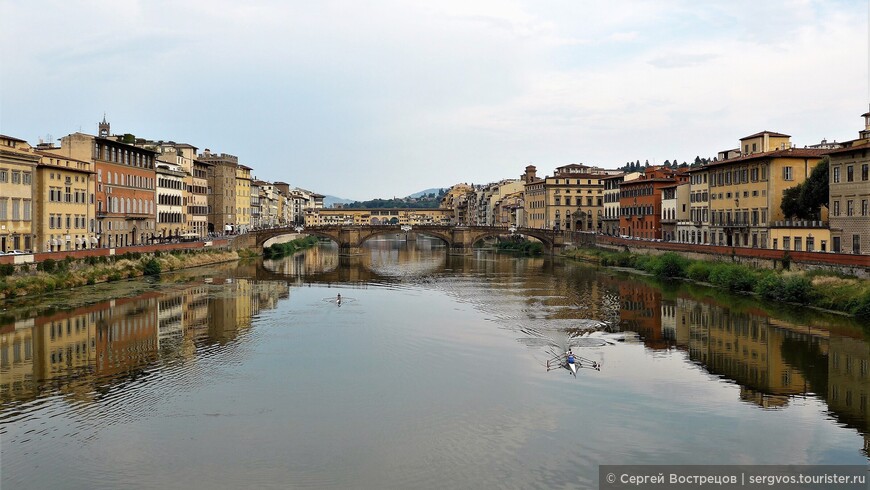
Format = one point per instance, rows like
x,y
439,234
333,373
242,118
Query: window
x,y
836,176
836,208
786,243
26,204
849,208
16,209
865,170
26,178
798,245
850,173
16,177
787,173
863,207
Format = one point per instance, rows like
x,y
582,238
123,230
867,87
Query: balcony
x,y
799,224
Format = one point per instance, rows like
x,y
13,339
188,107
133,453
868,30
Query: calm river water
x,y
432,373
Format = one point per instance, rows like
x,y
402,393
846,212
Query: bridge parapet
x,y
459,239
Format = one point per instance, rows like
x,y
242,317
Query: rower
x,y
570,357
338,299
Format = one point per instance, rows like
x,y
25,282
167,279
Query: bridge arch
x,y
458,239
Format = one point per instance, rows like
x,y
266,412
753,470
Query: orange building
x,y
640,202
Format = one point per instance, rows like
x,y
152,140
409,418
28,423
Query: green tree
x,y
805,200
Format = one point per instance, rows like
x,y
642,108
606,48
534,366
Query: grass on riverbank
x,y
51,275
520,246
817,288
278,250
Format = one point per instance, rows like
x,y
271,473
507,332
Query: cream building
x,y
675,209
849,194
695,227
574,198
610,217
171,191
64,211
18,164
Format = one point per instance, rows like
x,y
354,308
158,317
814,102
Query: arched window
x,y
122,206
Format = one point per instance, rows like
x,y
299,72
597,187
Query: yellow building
x,y
574,198
746,190
63,203
16,360
17,168
243,198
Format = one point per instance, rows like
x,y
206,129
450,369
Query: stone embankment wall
x,y
856,265
222,244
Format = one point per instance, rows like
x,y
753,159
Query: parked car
x,y
16,252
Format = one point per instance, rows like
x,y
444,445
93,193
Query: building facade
x,y
640,202
849,194
221,176
746,192
64,211
243,198
171,190
18,164
125,186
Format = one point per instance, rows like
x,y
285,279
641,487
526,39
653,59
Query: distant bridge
x,y
350,238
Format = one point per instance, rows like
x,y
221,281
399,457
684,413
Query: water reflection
x,y
76,350
119,358
773,355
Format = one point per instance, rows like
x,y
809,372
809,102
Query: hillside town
x,y
110,190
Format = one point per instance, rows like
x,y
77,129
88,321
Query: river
x,y
430,373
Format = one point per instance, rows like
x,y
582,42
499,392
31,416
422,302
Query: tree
x,y
805,200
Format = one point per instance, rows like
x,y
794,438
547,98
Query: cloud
x,y
369,89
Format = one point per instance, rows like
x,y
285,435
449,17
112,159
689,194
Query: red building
x,y
640,202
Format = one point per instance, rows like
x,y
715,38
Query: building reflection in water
x,y
770,359
75,351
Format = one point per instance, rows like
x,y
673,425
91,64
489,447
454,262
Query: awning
x,y
94,240
54,242
79,241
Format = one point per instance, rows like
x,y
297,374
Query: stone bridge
x,y
459,239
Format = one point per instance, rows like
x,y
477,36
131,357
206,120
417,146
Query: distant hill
x,y
434,190
328,201
424,199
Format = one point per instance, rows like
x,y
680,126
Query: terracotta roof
x,y
771,133
854,145
787,153
12,138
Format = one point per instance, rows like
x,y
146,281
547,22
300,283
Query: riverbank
x,y
50,275
279,250
819,289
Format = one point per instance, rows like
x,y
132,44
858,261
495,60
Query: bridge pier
x,y
345,250
460,249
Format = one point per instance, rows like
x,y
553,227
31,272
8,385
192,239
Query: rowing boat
x,y
572,367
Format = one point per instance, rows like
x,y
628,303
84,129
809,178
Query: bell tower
x,y
103,128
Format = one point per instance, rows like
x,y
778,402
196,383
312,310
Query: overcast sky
x,y
380,98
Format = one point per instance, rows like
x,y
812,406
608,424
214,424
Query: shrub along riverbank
x,y
520,246
51,275
278,250
817,288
